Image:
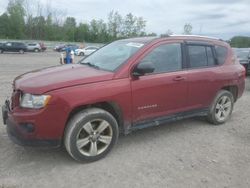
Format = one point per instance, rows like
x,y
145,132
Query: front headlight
x,y
34,101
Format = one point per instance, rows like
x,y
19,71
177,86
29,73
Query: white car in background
x,y
86,51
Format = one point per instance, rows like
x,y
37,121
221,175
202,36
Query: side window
x,y
165,58
8,44
200,56
221,53
197,56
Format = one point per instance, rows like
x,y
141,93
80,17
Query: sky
x,y
218,18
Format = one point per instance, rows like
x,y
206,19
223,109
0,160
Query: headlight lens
x,y
34,101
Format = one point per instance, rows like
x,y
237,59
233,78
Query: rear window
x,y
200,56
221,53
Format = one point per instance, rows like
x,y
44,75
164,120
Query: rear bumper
x,y
21,135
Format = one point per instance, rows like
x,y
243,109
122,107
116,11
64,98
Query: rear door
x,y
164,91
201,74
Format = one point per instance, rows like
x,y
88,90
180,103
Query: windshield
x,y
111,56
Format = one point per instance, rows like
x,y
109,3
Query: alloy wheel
x,y
94,137
223,108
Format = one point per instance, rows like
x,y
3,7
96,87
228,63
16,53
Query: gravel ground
x,y
187,153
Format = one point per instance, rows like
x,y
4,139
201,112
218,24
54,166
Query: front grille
x,y
15,98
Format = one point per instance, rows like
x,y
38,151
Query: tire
x,y
98,130
21,51
36,50
1,51
81,54
221,109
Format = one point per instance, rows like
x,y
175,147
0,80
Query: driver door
x,y
164,91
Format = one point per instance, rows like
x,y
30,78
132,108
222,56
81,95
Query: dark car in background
x,y
13,47
59,47
63,47
243,55
70,46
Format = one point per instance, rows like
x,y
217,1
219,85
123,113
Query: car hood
x,y
47,79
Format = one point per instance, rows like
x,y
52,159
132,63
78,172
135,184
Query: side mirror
x,y
143,68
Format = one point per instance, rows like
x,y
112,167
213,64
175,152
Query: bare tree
x,y
187,29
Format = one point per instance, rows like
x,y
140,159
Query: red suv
x,y
126,85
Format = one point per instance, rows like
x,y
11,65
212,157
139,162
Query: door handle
x,y
179,78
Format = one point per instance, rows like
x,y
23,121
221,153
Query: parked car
x,y
86,51
127,85
59,47
13,47
72,47
43,47
34,47
243,55
63,47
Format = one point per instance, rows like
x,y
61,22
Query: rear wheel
x,y
1,51
222,107
36,50
91,134
81,54
21,51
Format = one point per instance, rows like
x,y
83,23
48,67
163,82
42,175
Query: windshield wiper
x,y
90,64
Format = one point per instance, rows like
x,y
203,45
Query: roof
x,y
149,39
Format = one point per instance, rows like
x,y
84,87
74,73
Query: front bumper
x,y
21,134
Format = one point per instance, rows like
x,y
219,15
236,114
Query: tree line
x,y
240,42
19,22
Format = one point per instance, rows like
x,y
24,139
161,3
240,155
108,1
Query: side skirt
x,y
167,119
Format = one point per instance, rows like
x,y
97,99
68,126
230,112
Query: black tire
x,y
214,110
1,51
36,50
75,127
81,54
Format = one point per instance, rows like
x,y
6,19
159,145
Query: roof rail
x,y
200,36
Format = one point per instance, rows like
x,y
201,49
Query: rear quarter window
x,y
221,53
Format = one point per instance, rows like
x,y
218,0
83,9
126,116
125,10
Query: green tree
x,y
240,42
38,27
133,26
49,28
114,24
4,26
16,14
82,33
70,28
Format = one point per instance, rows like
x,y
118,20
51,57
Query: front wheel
x,y
91,134
21,51
81,54
221,108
